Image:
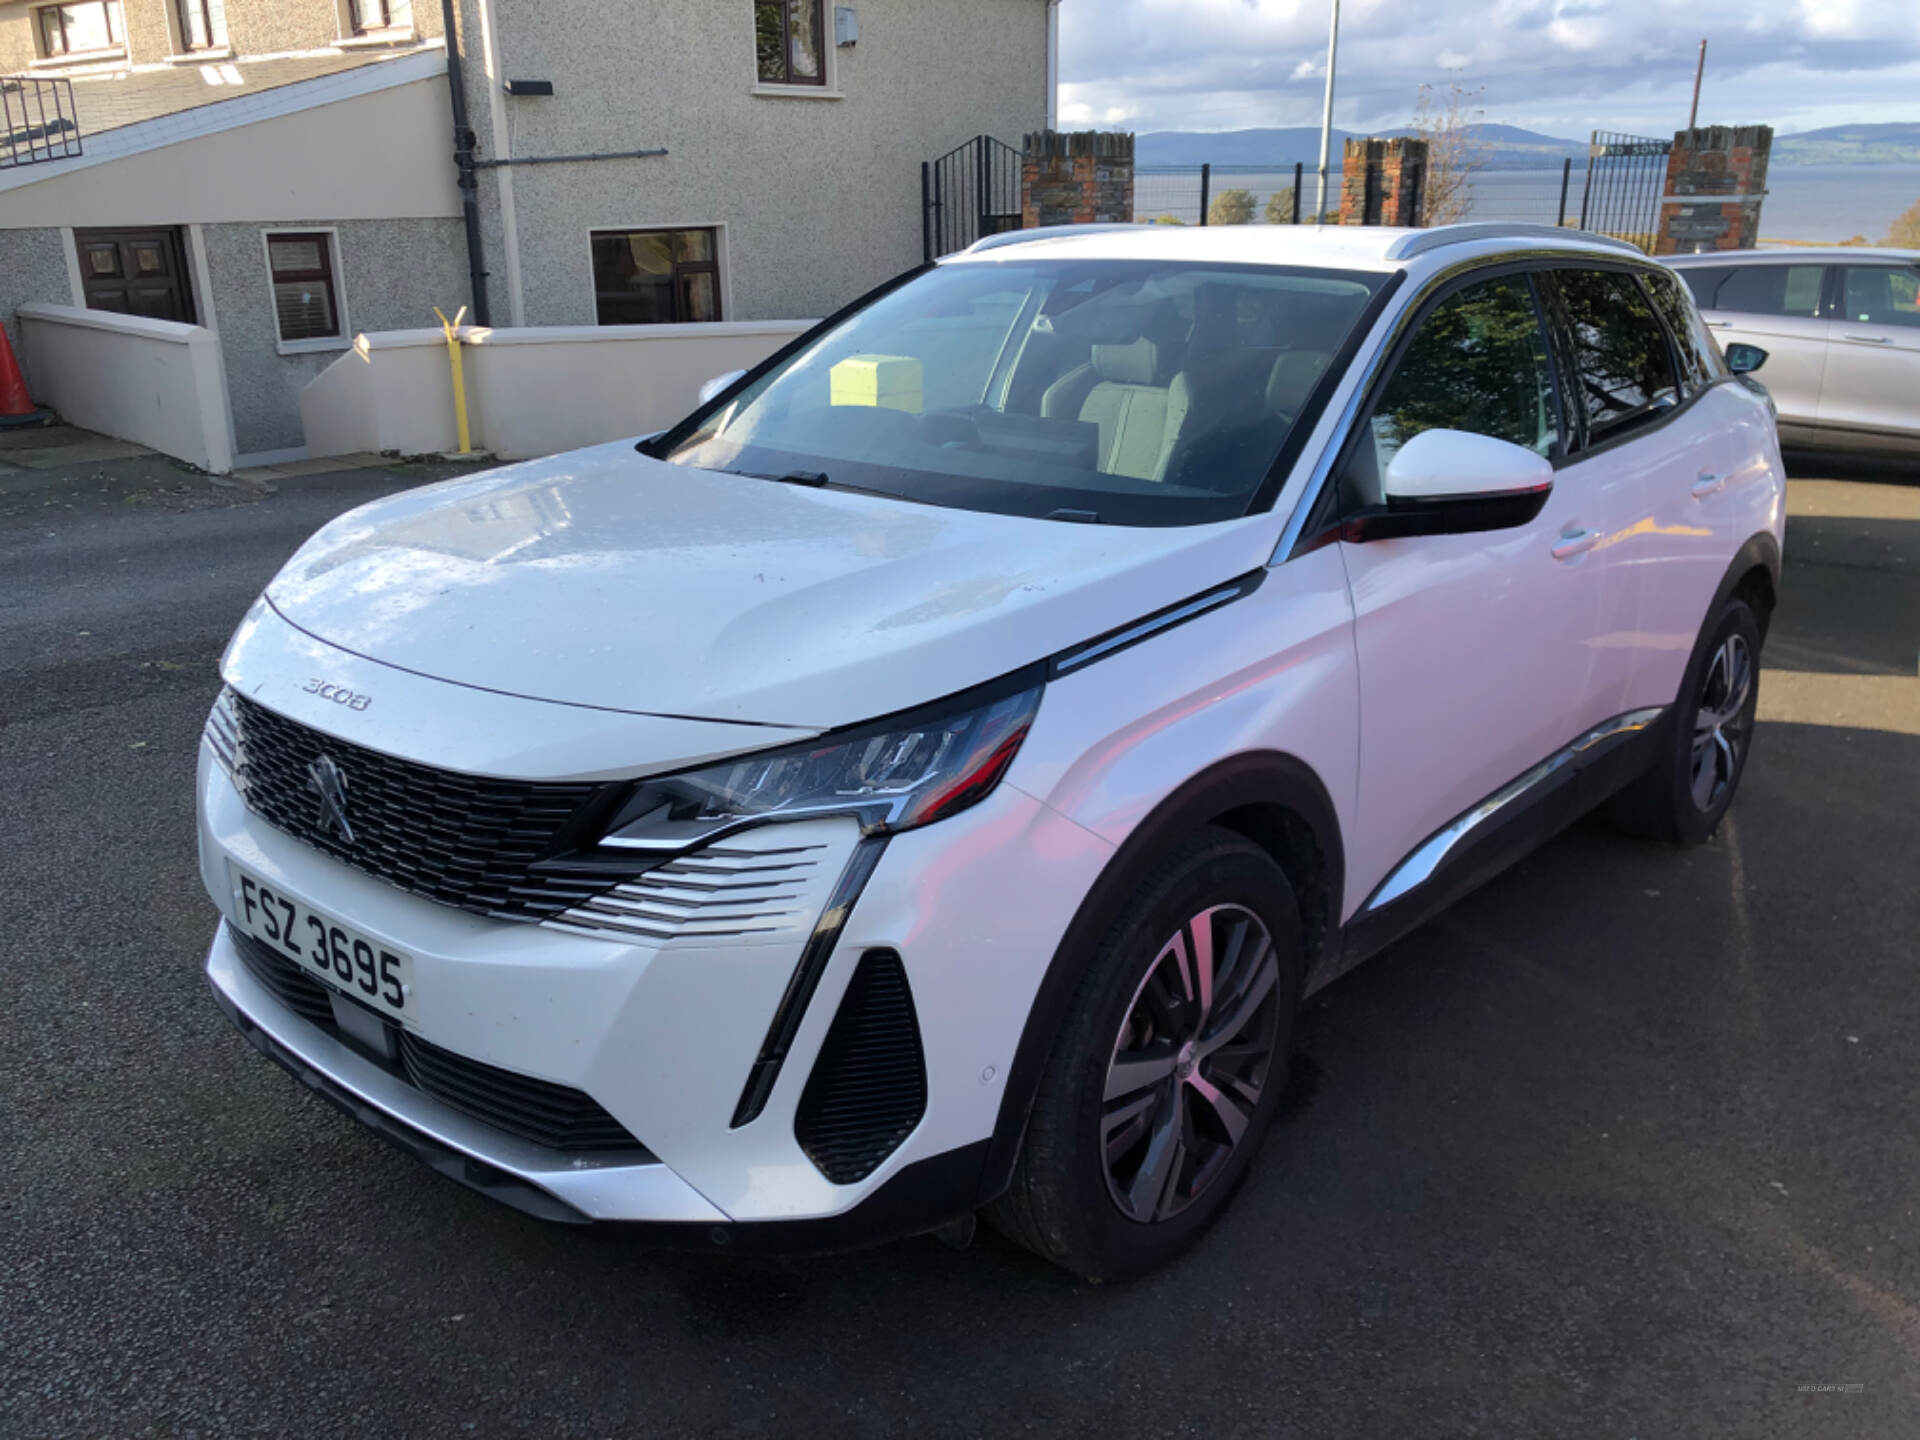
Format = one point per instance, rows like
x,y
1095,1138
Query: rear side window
x,y
1625,373
1770,290
1881,295
1693,346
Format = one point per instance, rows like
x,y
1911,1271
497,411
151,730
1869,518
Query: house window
x,y
203,24
370,16
306,299
790,41
656,277
77,29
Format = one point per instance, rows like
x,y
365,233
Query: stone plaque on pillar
x,y
1716,179
1078,179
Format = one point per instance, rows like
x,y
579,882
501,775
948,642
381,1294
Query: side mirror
x,y
1745,359
1451,482
718,383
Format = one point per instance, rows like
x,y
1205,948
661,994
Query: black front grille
x,y
291,985
868,1089
537,1110
555,1116
490,846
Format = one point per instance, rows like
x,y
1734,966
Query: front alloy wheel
x,y
1190,1063
1168,1067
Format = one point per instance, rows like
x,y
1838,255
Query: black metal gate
x,y
1626,176
970,192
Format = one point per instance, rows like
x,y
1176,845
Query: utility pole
x,y
1699,69
1326,114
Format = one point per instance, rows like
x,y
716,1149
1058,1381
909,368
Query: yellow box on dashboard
x,y
889,381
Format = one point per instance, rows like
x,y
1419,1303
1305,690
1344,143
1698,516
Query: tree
x,y
1280,207
1905,234
1168,220
1231,207
1449,122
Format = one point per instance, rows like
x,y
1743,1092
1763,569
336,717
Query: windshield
x,y
1118,392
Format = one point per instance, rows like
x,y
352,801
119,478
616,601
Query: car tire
x,y
1685,793
1154,1101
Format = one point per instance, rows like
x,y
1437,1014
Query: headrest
x,y
1135,364
1292,379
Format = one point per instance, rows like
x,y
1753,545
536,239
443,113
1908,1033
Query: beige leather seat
x,y
1291,381
1139,412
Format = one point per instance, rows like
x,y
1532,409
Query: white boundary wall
x,y
532,391
154,382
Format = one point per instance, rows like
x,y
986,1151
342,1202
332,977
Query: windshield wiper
x,y
1077,517
813,478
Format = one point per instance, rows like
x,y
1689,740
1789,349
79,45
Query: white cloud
x,y
1563,66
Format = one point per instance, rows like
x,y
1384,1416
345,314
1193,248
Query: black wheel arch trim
x,y
1240,782
1761,552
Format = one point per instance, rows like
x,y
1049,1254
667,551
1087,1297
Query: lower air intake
x,y
868,1089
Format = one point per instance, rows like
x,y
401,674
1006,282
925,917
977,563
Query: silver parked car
x,y
1841,328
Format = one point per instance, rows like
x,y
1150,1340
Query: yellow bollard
x,y
452,329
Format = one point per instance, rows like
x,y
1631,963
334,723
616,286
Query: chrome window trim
x,y
1068,661
1376,362
1420,866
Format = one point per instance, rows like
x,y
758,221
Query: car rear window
x,y
1699,357
1624,370
1109,391
1769,290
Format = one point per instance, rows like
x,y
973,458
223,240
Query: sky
x,y
1563,67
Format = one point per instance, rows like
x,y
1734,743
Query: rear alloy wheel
x,y
1686,792
1168,1068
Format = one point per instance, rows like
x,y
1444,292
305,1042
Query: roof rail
x,y
1408,246
1048,232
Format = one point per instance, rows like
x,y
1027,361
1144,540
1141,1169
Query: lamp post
x,y
1326,115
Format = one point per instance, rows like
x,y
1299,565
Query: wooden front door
x,y
136,272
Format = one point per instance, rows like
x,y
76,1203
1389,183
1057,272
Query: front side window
x,y
789,41
306,302
1477,363
1767,290
370,16
1096,391
656,277
203,23
1623,369
1881,295
1699,357
78,29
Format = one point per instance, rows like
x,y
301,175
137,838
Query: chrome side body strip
x,y
1420,866
1067,661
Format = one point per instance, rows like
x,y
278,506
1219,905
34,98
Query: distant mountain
x,y
1889,144
1509,148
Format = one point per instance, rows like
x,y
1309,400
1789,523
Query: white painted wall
x,y
534,391
153,382
378,156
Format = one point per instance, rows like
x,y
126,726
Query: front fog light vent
x,y
868,1089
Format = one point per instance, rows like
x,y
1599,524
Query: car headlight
x,y
894,774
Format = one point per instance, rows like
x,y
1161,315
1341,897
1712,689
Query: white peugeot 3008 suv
x,y
927,778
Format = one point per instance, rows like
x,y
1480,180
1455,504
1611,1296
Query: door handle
x,y
1575,542
1708,484
1872,339
1719,324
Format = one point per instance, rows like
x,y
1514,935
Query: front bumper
x,y
663,1036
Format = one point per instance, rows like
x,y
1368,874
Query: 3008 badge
x,y
350,962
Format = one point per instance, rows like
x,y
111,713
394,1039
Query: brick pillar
x,y
1383,182
1716,179
1077,179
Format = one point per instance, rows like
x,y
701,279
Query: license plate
x,y
326,948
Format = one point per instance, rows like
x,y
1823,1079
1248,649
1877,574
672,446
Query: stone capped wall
x,y
1716,179
1078,179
